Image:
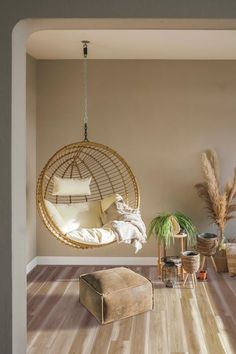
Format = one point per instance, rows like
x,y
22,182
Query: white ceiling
x,y
134,44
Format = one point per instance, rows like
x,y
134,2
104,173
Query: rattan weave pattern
x,y
207,246
109,171
190,261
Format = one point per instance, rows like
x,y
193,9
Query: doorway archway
x,y
21,33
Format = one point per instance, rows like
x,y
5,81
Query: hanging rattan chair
x,y
109,171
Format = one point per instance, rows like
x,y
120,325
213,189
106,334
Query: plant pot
x,y
190,261
231,257
221,262
202,275
207,244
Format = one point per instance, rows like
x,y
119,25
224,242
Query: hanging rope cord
x,y
85,88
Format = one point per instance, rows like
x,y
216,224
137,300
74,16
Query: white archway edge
x,y
20,35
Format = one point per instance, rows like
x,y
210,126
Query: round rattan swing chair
x,y
109,171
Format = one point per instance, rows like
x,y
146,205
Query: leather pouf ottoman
x,y
117,293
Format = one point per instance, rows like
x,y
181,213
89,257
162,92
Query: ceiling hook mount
x,y
85,48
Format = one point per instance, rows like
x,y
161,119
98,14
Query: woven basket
x,y
221,263
190,261
231,257
207,244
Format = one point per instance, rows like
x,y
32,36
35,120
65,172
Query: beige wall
x,y
159,115
12,124
31,158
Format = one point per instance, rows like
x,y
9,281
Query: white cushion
x,y
87,214
54,214
71,186
64,225
69,212
92,235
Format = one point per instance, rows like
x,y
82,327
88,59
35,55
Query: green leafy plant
x,y
166,225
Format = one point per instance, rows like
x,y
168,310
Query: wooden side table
x,y
161,251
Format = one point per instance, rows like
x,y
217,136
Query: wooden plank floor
x,y
183,321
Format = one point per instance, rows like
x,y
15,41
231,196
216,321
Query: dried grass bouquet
x,y
219,201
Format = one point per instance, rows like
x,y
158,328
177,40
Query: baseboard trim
x,y
56,260
31,265
42,260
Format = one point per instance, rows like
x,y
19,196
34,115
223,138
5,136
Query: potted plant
x,y
191,263
207,244
202,276
220,202
165,226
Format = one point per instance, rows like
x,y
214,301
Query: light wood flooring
x,y
183,321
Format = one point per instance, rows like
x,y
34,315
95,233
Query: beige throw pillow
x,y
109,208
71,186
86,215
54,214
108,201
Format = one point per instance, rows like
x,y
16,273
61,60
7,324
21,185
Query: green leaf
x,y
162,227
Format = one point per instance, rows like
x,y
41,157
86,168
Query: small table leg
x,y
159,258
203,262
195,279
182,250
214,264
185,278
